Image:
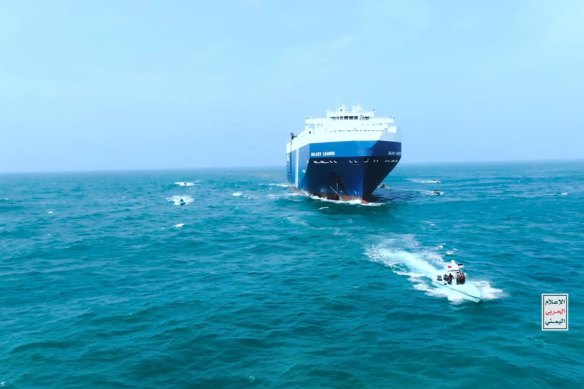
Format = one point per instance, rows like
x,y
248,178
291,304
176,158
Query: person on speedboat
x,y
460,278
448,278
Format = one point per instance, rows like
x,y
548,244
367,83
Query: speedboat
x,y
453,278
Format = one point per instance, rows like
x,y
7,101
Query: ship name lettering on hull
x,y
322,154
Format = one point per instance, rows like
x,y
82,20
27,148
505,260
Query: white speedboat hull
x,y
467,291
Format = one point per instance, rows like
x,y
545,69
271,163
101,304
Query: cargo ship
x,y
344,156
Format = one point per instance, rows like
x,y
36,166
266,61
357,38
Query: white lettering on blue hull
x,y
322,154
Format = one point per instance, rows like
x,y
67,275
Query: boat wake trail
x,y
186,183
405,257
180,200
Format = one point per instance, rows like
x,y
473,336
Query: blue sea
x,y
227,279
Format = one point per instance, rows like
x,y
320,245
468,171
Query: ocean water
x,y
225,278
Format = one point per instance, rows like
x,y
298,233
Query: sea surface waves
x,y
226,278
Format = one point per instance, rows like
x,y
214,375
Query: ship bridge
x,y
355,113
344,119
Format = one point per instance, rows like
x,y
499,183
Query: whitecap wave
x,y
424,181
185,183
244,195
432,192
297,221
284,196
405,257
180,200
179,225
278,184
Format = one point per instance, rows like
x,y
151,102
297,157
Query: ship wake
x,y
405,257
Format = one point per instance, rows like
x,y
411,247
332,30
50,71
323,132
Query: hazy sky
x,y
98,85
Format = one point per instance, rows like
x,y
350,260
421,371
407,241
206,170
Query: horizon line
x,y
130,170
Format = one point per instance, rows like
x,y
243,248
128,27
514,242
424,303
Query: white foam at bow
x,y
180,200
351,202
185,183
488,292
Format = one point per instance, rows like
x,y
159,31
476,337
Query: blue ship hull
x,y
342,170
